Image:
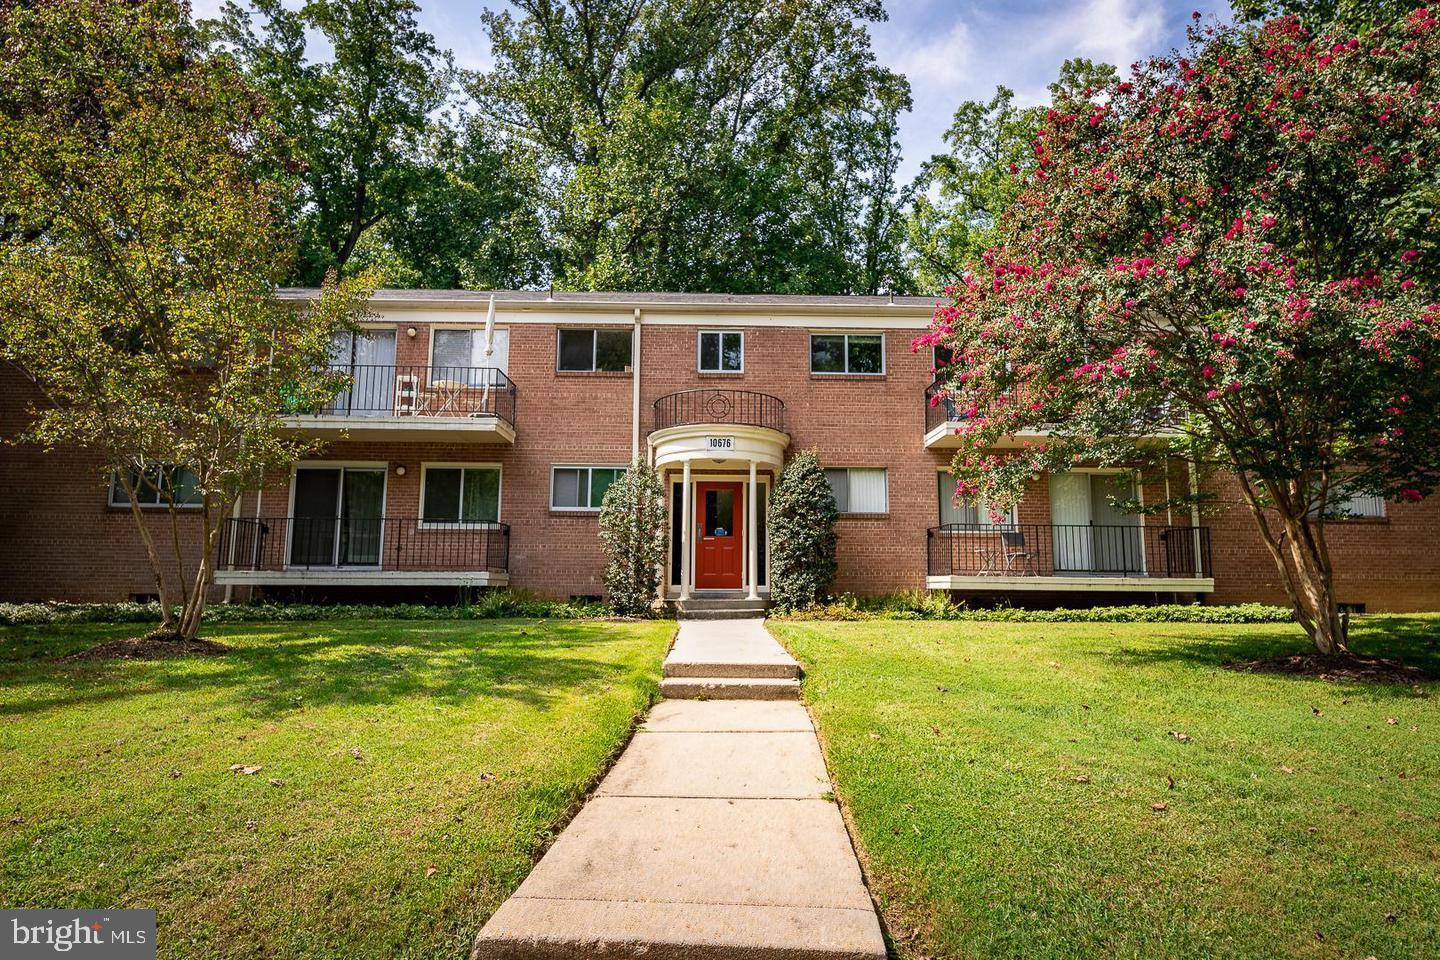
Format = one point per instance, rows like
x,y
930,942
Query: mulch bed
x,y
1339,667
152,647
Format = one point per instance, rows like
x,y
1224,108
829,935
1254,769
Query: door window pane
x,y
612,349
827,353
719,513
866,355
481,496
442,495
577,350
361,505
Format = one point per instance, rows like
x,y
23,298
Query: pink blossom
x,y
1410,255
1182,261
1411,495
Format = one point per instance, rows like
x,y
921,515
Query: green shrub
x,y
490,605
938,605
802,534
632,531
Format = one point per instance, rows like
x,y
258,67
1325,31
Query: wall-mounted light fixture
x,y
399,469
410,332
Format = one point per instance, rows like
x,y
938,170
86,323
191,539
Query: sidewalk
x,y
712,837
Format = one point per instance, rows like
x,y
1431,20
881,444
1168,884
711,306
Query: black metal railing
x,y
1057,550
939,406
710,405
387,390
400,544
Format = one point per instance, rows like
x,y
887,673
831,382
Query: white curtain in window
x,y
867,490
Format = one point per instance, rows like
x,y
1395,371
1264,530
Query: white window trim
x,y
422,524
867,513
595,347
114,487
550,495
700,352
847,334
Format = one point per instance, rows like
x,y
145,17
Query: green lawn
x,y
417,768
1304,820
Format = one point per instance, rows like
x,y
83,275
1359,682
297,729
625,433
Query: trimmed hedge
x,y
488,606
920,605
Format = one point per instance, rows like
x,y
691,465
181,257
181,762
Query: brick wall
x,y
60,539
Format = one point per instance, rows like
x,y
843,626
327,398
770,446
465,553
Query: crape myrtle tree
x,y
138,262
1238,243
632,531
802,534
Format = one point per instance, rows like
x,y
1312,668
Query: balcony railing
x,y
939,408
720,406
1059,550
387,390
400,544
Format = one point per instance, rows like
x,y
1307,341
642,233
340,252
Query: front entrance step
x,y
729,688
720,608
743,613
729,649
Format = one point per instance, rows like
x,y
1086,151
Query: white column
x,y
685,518
750,528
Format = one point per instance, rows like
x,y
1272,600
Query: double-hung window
x,y
601,349
460,495
722,351
156,486
462,356
969,514
581,488
862,354
859,489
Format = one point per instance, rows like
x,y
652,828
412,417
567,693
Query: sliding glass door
x,y
369,357
339,516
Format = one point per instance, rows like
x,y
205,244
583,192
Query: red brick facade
x,y
62,540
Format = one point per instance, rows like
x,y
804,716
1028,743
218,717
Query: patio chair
x,y
1012,553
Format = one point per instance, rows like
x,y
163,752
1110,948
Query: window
x,y
460,495
460,354
581,488
722,351
858,489
156,487
1357,506
586,351
847,353
972,513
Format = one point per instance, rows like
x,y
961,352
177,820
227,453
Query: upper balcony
x,y
385,401
726,428
943,418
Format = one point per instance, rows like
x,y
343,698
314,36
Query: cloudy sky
x,y
951,50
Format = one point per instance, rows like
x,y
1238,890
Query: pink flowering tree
x,y
1234,251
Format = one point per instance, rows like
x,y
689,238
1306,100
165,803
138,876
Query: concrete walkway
x,y
710,838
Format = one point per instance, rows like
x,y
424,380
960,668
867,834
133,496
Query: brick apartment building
x,y
459,459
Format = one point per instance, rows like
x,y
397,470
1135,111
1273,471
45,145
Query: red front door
x,y
719,559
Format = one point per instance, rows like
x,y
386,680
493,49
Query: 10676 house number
x,y
720,443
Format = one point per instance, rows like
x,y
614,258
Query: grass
x,y
409,774
1302,821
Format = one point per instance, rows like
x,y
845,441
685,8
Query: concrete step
x,y
721,603
730,688
728,613
777,670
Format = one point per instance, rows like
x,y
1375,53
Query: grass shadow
x,y
279,669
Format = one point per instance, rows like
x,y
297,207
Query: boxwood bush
x,y
937,605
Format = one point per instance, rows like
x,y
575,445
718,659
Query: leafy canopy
x,y
138,260
1240,243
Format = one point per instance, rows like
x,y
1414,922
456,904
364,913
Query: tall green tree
x,y
725,145
957,199
138,261
1319,12
359,120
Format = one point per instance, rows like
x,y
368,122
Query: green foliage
x,y
633,533
957,199
1315,13
357,121
1236,248
138,261
490,605
802,534
938,605
732,146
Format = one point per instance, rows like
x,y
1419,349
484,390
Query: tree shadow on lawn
x,y
1412,640
277,672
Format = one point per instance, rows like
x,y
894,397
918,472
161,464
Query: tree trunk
x,y
152,553
193,614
